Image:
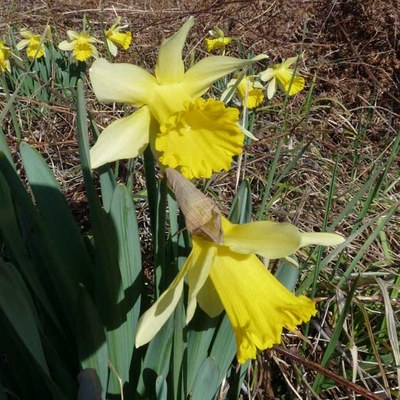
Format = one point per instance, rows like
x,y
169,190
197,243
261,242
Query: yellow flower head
x,y
5,53
81,45
115,37
224,272
218,41
33,43
249,91
186,132
286,77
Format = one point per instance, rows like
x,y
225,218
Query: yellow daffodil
x,y
33,43
81,45
218,41
249,91
115,37
286,77
5,53
195,135
226,274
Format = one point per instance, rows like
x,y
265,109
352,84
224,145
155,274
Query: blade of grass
x,y
335,337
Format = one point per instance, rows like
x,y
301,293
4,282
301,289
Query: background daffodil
x,y
249,91
114,37
5,53
81,45
286,78
33,43
228,275
218,41
195,135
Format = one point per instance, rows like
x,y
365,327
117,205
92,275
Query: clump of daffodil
x,y
197,136
223,272
218,41
5,53
249,90
114,37
285,77
33,43
81,45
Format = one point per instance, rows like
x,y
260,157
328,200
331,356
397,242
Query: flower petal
x,y
124,138
266,75
320,238
203,253
287,63
203,74
112,47
257,305
271,88
170,66
121,83
66,45
72,35
22,44
266,238
157,315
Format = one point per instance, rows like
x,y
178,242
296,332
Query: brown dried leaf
x,y
202,216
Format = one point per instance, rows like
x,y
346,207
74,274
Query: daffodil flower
x,y
286,78
81,45
33,43
187,132
115,37
5,53
249,91
218,41
225,273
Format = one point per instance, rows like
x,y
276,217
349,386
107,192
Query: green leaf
x,y
126,311
157,360
161,388
12,236
207,381
241,209
287,274
17,305
57,218
91,338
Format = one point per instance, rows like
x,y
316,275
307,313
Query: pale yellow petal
x,y
170,66
271,90
121,83
112,47
25,33
287,63
257,305
268,74
66,45
203,253
124,138
202,75
72,35
320,238
157,315
266,238
22,44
